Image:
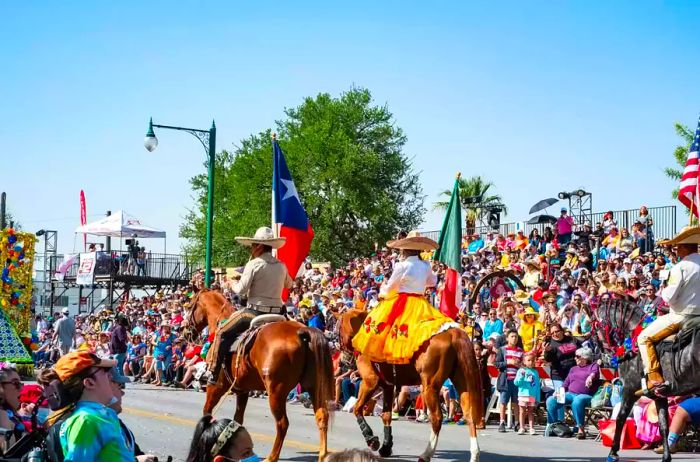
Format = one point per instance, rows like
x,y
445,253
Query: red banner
x,y
83,217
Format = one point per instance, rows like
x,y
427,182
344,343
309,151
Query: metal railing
x,y
155,265
664,223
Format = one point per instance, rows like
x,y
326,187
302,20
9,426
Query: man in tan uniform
x,y
264,277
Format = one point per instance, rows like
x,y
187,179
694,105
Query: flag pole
x,y
274,169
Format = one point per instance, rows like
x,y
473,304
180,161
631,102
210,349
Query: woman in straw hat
x,y
682,293
397,327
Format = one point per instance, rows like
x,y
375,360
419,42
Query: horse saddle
x,y
245,339
683,338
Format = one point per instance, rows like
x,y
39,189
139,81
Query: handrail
x,y
155,265
664,223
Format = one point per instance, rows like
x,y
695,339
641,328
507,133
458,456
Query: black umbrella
x,y
543,204
542,219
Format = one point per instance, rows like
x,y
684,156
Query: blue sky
x,y
538,97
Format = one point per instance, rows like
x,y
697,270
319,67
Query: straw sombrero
x,y
521,296
688,235
413,241
264,236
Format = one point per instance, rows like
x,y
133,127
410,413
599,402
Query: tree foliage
x,y
680,154
346,157
474,197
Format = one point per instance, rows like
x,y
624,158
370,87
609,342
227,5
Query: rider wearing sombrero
x,y
397,327
264,277
682,293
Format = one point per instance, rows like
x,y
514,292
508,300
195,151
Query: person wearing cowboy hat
x,y
263,280
413,319
682,293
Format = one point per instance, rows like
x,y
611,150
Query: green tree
x,y
680,154
475,198
346,157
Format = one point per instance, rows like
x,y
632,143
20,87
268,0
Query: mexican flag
x,y
449,253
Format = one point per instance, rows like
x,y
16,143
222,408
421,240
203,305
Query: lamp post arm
x,y
204,136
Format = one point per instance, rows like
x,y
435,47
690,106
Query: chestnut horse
x,y
283,355
447,355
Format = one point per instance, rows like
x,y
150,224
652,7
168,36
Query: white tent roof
x,y
119,224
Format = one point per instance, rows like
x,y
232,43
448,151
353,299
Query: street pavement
x,y
163,421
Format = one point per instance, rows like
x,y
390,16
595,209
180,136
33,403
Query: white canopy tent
x,y
122,225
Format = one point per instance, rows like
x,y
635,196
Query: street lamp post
x,y
208,140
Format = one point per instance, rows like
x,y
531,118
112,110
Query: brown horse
x,y
446,355
283,355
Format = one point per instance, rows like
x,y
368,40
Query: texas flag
x,y
288,216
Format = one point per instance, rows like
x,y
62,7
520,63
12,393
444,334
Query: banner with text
x,y
86,269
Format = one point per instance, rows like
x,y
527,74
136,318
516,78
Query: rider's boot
x,y
651,383
214,375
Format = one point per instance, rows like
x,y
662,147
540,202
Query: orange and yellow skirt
x,y
398,326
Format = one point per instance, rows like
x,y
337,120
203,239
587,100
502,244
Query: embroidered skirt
x,y
397,327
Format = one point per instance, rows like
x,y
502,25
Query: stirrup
x,y
656,390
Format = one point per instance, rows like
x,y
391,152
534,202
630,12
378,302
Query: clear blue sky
x,y
536,96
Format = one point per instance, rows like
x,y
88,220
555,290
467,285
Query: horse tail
x,y
467,364
318,370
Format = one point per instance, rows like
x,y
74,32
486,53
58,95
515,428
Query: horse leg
x,y
215,391
432,404
278,406
241,403
628,400
322,415
662,409
465,401
388,397
367,387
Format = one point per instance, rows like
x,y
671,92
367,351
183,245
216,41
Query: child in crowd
x,y
528,382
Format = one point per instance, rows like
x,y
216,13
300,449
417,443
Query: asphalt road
x,y
163,421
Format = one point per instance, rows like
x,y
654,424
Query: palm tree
x,y
680,154
474,198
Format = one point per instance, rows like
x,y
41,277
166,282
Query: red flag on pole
x,y
689,190
83,217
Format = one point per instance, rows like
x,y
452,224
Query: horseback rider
x,y
682,293
399,325
264,277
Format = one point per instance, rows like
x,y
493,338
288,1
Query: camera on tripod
x,y
132,243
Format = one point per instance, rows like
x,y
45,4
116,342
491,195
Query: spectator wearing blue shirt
x,y
493,325
476,244
163,351
317,320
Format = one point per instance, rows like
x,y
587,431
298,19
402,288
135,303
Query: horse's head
x,y
350,323
194,320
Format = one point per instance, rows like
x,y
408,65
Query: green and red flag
x,y
449,253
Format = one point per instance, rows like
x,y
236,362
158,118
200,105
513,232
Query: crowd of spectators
x,y
566,271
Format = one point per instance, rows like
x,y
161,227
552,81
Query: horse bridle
x,y
189,317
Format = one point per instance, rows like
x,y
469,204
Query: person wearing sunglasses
x,y
91,432
222,440
10,388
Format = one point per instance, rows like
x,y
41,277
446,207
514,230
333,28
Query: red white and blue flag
x,y
289,218
689,190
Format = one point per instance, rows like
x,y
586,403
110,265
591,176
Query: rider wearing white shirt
x,y
682,293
